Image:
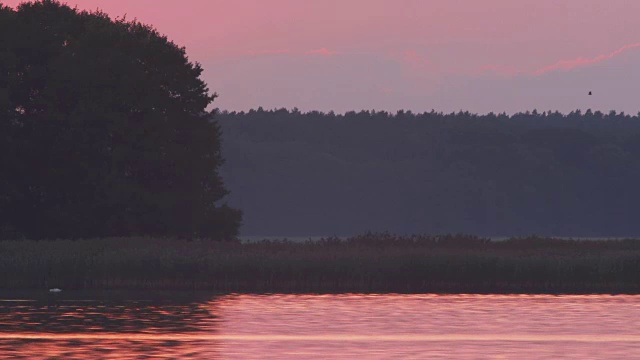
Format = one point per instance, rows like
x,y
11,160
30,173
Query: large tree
x,y
105,130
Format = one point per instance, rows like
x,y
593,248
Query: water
x,y
324,326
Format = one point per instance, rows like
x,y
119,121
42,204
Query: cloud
x,y
413,59
503,70
321,52
267,52
413,63
316,52
567,65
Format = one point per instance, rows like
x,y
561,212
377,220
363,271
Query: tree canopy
x,y
104,130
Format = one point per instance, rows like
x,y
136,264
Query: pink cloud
x,y
316,52
414,60
266,52
385,89
503,70
321,52
566,65
414,63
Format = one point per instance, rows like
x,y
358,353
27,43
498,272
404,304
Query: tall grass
x,y
366,263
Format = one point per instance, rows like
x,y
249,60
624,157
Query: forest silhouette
x,y
546,173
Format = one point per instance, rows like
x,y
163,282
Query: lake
x,y
126,326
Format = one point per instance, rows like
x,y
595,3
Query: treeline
x,y
547,173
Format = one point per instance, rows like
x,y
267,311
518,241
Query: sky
x,y
447,55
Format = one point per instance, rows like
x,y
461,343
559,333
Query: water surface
x,y
323,326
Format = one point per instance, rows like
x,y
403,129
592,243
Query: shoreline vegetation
x,y
368,263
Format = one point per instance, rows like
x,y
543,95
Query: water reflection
x,y
99,317
325,326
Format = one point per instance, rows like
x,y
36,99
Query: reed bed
x,y
370,263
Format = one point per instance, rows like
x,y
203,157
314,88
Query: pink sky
x,y
447,55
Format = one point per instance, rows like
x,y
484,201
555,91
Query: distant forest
x,y
545,173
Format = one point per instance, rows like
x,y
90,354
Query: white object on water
x,y
55,290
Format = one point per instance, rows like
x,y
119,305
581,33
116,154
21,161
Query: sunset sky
x,y
447,55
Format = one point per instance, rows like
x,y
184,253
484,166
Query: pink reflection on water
x,y
331,326
430,314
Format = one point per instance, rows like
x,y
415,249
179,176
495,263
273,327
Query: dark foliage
x,y
548,173
103,130
370,263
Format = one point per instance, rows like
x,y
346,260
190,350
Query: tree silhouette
x,y
104,130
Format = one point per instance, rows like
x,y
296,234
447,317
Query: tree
x,y
106,131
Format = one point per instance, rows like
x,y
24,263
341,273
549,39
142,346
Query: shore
x,y
371,263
